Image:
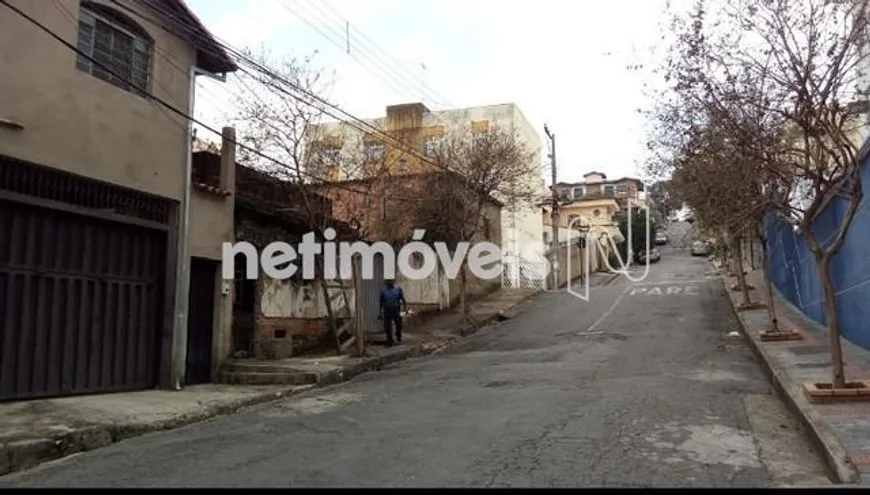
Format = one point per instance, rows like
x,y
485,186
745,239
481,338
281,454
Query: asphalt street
x,y
641,386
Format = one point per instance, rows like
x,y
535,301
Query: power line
x,y
338,45
259,67
162,102
411,83
313,98
387,54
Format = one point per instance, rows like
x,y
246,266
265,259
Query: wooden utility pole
x,y
554,256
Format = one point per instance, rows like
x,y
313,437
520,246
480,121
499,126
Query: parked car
x,y
661,238
700,248
654,256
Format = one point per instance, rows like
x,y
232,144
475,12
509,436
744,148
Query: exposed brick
x,y
300,335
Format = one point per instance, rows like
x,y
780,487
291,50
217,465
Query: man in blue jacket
x,y
392,300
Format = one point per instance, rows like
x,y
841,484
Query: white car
x,y
661,238
700,248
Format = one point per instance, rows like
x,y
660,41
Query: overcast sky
x,y
563,63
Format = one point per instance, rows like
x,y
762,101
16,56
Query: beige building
x,y
420,130
92,173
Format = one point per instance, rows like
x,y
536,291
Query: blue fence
x,y
793,269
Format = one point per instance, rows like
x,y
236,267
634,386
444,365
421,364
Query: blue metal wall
x,y
793,269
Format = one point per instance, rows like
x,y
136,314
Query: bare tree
x,y
472,169
722,185
796,64
279,110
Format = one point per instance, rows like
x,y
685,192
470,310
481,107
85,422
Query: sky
x,y
563,63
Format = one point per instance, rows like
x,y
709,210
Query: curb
x,y
25,454
611,279
822,437
495,317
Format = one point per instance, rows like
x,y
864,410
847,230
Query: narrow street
x,y
639,387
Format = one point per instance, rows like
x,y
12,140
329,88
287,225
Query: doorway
x,y
200,323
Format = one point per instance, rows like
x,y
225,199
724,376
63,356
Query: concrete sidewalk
x,y
841,431
32,432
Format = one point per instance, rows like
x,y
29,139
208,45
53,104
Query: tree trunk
x,y
330,317
823,263
463,306
741,277
765,268
751,253
732,261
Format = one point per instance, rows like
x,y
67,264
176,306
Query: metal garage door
x,y
80,303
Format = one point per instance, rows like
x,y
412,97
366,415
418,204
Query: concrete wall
x,y
429,294
794,272
571,255
75,122
78,123
212,224
291,316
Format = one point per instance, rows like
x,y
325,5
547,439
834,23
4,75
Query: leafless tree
x,y
722,186
279,110
471,169
795,65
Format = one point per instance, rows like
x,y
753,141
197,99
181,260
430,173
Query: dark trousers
x,y
392,315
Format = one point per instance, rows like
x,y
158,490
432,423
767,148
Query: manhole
x,y
808,349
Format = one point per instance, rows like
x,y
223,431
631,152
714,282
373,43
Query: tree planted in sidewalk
x,y
799,64
719,183
469,170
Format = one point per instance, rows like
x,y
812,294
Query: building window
x,y
403,165
116,44
571,221
430,147
374,152
608,190
621,188
578,192
330,156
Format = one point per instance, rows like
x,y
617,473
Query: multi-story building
x,y
588,207
399,143
92,174
596,186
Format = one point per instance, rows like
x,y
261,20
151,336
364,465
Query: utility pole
x,y
554,256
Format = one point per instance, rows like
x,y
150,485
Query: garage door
x,y
80,303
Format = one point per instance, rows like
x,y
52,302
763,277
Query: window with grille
x,y
113,45
374,152
430,147
331,156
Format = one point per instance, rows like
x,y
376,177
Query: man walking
x,y
392,299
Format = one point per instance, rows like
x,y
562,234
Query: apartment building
x,y
400,141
